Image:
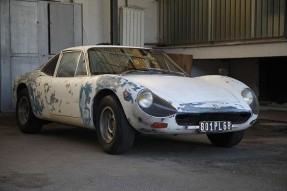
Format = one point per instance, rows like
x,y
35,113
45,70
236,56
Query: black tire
x,y
114,132
26,120
226,139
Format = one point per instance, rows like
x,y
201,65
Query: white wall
x,y
96,21
251,50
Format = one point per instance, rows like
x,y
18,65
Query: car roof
x,y
85,48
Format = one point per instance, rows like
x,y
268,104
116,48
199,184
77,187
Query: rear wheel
x,y
226,139
114,132
26,120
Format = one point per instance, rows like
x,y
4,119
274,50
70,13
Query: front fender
x,y
125,90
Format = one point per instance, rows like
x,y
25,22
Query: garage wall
x,y
25,35
0,57
96,21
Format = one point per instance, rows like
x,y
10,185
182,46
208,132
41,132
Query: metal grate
x,y
132,26
194,119
195,21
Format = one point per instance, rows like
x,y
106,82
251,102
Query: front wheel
x,y
114,132
226,139
26,120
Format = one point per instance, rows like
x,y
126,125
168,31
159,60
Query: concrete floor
x,y
68,158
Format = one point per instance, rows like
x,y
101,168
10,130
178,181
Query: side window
x,y
49,68
81,69
68,64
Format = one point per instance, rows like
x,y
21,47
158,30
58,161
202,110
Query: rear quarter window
x,y
50,67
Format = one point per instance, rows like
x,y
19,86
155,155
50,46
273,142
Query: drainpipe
x,y
285,32
114,22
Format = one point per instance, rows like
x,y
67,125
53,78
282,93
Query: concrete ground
x,y
68,158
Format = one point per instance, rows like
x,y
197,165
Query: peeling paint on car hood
x,y
183,89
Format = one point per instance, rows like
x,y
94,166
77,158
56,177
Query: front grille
x,y
195,118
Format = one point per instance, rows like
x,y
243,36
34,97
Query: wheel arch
x,y
21,87
99,96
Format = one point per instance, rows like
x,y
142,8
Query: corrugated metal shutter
x,y
201,21
132,26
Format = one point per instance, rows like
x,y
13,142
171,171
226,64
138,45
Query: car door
x,y
66,84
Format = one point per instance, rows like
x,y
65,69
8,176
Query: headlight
x,y
154,105
247,95
251,99
145,99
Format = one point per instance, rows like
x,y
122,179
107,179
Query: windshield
x,y
127,60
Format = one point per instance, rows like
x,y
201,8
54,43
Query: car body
x,y
123,90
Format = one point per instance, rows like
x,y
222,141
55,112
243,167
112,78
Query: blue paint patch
x,y
114,83
132,85
107,82
140,119
36,101
128,96
68,85
47,87
53,101
85,100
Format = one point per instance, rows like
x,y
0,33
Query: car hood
x,y
184,89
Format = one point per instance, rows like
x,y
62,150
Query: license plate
x,y
214,126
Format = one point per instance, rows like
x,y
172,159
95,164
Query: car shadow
x,y
143,145
147,144
70,133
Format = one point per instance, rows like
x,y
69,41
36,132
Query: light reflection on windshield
x,y
122,60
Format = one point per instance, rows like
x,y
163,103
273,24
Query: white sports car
x,y
119,91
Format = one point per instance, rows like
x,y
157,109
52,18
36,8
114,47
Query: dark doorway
x,y
272,79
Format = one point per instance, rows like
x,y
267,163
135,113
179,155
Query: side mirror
x,y
223,72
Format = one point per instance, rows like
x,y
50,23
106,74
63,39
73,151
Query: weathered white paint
x,y
183,89
53,97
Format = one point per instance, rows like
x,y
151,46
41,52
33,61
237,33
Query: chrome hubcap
x,y
107,124
23,110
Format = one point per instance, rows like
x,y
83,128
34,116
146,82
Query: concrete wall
x,y
0,61
233,50
96,21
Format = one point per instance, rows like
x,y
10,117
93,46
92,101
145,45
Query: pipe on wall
x,y
114,22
